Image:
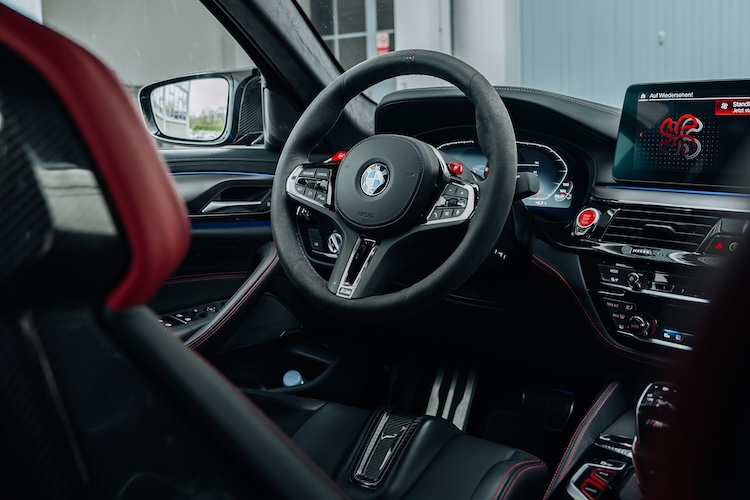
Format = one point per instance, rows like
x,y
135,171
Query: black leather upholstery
x,y
438,462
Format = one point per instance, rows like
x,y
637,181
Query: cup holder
x,y
264,369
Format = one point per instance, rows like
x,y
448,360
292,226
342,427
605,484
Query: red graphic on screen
x,y
679,140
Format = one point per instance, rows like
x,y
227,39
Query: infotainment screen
x,y
686,134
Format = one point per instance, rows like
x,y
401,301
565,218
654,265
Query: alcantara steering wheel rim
x,y
495,135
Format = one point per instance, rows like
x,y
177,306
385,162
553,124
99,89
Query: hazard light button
x,y
722,245
586,221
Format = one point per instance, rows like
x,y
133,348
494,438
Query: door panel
x,y
231,261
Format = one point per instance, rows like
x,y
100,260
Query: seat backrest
x,y
97,399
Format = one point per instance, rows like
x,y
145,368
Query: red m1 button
x,y
456,168
338,156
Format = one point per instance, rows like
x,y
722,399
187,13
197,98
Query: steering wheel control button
x,y
586,221
452,204
310,184
456,168
338,156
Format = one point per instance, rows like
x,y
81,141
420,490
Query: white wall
x,y
487,35
422,24
484,33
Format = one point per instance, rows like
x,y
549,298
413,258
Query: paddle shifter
x,y
655,415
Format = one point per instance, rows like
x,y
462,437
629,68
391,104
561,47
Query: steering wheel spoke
x,y
352,272
369,266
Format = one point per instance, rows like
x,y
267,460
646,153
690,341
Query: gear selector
x,y
656,413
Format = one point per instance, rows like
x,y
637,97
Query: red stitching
x,y
209,333
502,481
206,277
635,355
577,435
520,473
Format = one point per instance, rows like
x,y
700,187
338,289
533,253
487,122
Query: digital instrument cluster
x,y
554,173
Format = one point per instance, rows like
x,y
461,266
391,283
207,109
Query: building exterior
x,y
570,46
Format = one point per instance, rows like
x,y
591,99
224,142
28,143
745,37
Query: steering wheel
x,y
389,191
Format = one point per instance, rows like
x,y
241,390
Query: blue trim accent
x,y
677,332
230,224
254,174
681,191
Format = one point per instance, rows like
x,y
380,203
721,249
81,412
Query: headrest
x,y
84,194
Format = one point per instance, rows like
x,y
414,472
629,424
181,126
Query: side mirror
x,y
205,109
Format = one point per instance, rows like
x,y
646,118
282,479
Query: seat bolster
x,y
469,467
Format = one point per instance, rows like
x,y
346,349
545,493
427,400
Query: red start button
x,y
587,217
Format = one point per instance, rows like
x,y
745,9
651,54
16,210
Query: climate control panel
x,y
644,304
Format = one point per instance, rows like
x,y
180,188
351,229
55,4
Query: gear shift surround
x,y
656,413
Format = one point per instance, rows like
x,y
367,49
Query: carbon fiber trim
x,y
388,439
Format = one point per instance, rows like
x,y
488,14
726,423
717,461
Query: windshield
x,y
591,49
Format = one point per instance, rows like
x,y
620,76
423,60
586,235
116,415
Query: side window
x,y
146,41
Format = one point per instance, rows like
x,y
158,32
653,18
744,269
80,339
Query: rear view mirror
x,y
195,110
204,109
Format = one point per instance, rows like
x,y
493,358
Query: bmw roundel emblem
x,y
374,179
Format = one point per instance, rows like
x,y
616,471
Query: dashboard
x,y
638,206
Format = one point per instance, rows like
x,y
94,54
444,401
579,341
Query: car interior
x,y
468,291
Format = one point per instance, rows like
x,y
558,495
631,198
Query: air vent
x,y
659,227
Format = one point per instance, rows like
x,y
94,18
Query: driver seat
x,y
99,400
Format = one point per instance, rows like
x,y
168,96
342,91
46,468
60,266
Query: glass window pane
x,y
321,16
385,14
351,16
353,51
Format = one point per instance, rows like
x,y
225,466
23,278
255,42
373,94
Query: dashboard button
x,y
586,220
722,245
614,274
